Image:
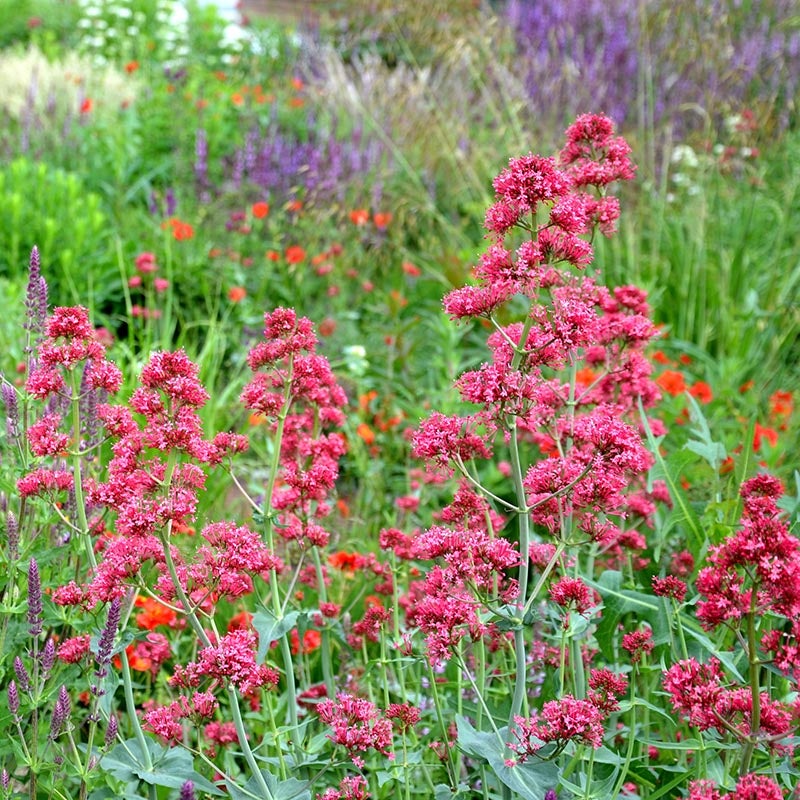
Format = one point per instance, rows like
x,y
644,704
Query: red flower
x,y
295,254
359,216
260,209
701,391
86,105
671,382
236,294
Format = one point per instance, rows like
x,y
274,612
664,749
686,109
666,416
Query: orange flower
x,y
87,105
746,386
294,206
365,399
237,99
366,433
272,255
761,433
660,357
236,294
781,405
702,391
343,508
685,359
131,67
359,216
411,269
311,641
295,254
586,376
297,84
296,102
671,382
180,230
382,219
345,561
153,614
260,209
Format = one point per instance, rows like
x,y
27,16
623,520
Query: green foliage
x,y
51,208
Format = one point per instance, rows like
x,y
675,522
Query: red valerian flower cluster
x,y
356,724
566,379
294,388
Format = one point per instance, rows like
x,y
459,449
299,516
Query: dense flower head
x,y
531,180
232,659
593,155
559,722
356,724
757,564
284,335
638,643
441,439
574,594
175,375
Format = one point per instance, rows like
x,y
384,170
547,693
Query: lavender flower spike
x,y
34,599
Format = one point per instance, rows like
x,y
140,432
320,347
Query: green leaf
x,y
171,767
529,780
270,628
617,602
290,789
671,474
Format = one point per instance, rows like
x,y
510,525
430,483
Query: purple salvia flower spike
x,y
111,731
106,643
12,533
13,698
5,780
170,202
48,657
11,403
34,599
22,675
61,712
187,791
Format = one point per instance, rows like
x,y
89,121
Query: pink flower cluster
x,y
357,725
699,693
291,382
748,787
756,569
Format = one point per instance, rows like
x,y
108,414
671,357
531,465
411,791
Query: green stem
x,y
325,644
80,504
241,732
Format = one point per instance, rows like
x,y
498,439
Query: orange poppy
x,y
359,216
671,382
295,254
260,210
382,219
366,433
236,294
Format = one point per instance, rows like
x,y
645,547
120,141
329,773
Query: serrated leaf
x,y
270,628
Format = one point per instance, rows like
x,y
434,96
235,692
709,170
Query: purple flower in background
x,y
22,675
10,401
111,731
